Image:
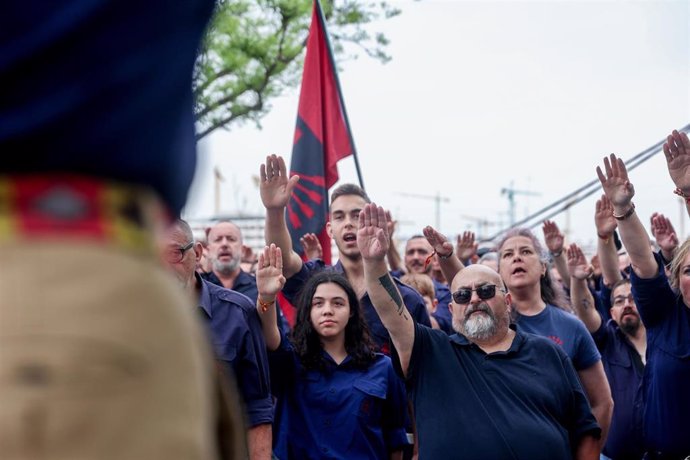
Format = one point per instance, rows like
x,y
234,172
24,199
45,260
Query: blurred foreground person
x,y
100,356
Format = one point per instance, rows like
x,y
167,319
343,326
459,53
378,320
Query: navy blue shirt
x,y
524,403
566,330
379,335
344,412
666,376
235,331
101,88
624,368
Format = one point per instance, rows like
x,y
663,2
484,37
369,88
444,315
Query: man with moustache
x,y
622,342
224,241
505,394
234,329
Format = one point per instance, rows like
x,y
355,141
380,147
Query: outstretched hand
x,y
553,237
664,233
577,263
466,247
275,187
615,183
312,246
269,272
603,217
372,234
438,241
677,153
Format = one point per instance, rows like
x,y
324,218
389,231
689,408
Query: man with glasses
x,y
235,332
489,391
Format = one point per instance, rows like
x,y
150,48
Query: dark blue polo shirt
x,y
343,413
524,403
235,331
413,301
101,88
624,369
665,382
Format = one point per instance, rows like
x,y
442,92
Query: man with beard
x,y
225,256
622,342
234,328
489,391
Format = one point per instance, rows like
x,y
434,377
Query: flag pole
x,y
317,4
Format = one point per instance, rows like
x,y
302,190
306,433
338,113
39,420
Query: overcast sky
x,y
482,95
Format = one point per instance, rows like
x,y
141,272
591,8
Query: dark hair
x,y
551,293
306,341
620,282
349,189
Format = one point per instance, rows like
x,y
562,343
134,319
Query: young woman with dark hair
x,y
336,397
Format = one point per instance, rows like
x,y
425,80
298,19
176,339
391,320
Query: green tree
x,y
254,51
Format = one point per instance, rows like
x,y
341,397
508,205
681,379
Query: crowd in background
x,y
347,381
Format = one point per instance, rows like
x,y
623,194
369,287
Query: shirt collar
x,y
519,339
204,295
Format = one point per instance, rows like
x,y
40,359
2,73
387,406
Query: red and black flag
x,y
322,137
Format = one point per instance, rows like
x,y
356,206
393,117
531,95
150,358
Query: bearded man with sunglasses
x,y
489,391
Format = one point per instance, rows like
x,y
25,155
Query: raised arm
x,y
606,246
677,153
269,281
373,242
450,266
275,188
620,191
555,241
580,296
466,247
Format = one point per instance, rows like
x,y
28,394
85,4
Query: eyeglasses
x,y
484,292
175,255
619,300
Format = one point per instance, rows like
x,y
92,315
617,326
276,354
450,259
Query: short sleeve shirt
x,y
566,330
524,403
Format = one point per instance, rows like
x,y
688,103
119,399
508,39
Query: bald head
x,y
476,274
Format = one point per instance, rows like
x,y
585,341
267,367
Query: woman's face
x,y
520,263
330,311
684,280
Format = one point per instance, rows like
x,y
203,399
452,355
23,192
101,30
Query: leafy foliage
x,y
254,51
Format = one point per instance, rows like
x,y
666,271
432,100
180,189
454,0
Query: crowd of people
x,y
124,337
527,350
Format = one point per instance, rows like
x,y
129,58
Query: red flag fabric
x,y
322,137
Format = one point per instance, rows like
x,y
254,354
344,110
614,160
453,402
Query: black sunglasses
x,y
485,292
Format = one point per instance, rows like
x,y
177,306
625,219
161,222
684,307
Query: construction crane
x,y
510,192
438,199
482,224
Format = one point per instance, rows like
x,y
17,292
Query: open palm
x,y
372,235
677,153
